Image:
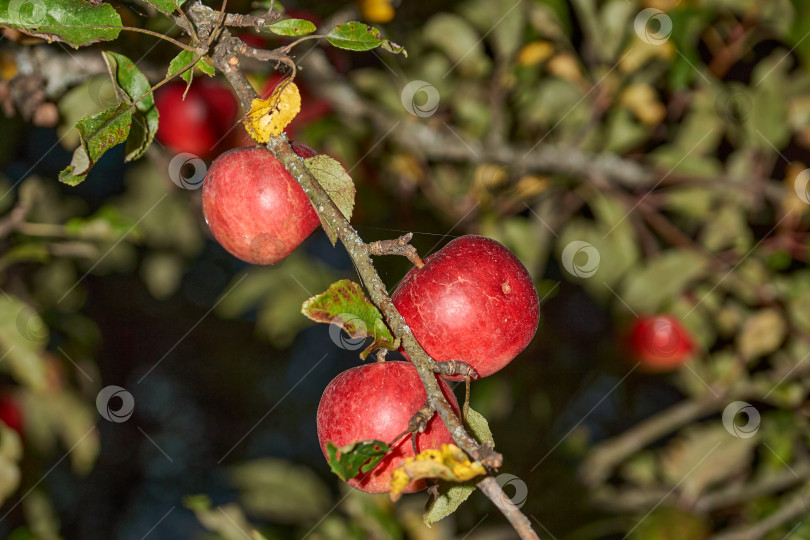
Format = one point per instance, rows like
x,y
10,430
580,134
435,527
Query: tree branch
x,y
602,458
432,143
787,513
605,456
360,254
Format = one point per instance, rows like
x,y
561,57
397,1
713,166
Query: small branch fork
x,y
360,252
398,246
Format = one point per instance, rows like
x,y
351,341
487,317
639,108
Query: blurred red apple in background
x,y
201,123
11,413
660,343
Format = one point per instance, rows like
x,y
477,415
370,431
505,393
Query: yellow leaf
x,y
268,117
8,66
639,52
489,175
534,53
565,66
376,11
642,100
797,188
663,5
450,463
407,169
531,185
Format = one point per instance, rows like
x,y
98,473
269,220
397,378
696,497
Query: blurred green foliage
x,y
676,136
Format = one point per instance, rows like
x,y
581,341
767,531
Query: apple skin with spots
x,y
473,301
376,401
254,207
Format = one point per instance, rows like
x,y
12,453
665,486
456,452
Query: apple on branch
x,y
376,402
254,208
472,301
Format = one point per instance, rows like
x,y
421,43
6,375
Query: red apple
x,y
253,206
660,343
473,301
202,122
11,413
376,401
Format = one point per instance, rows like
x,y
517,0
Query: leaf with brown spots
x,y
345,305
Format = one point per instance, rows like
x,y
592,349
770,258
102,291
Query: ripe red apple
x,y
660,343
473,301
253,206
376,401
11,413
201,123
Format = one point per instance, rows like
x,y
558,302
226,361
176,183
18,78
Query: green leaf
x,y
478,427
451,495
11,452
670,523
360,456
662,278
99,132
281,492
768,126
75,22
705,455
356,36
23,336
276,295
460,41
166,6
227,521
331,175
206,65
345,304
180,62
507,35
107,224
184,59
292,27
134,84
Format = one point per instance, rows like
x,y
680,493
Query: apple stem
x,y
419,421
360,253
397,246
